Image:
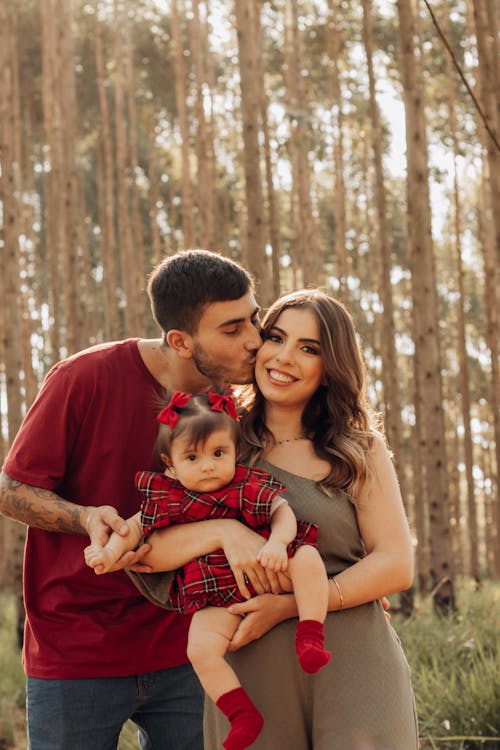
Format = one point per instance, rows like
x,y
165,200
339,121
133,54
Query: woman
x,y
308,423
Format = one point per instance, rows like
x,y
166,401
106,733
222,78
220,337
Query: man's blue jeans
x,y
167,707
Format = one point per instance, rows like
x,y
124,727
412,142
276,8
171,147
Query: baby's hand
x,y
273,556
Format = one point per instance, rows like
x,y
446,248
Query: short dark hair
x,y
182,285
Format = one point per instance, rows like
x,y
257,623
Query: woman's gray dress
x,y
363,699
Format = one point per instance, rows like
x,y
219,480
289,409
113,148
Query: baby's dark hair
x,y
197,421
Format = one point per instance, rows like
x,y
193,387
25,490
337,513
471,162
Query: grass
x,y
12,688
455,663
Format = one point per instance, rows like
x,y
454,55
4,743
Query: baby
x,y
198,441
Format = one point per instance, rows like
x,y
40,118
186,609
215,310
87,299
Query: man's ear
x,y
181,342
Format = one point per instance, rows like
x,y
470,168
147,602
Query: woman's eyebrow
x,y
284,333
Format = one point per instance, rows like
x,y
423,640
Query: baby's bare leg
x,y
310,583
101,559
210,634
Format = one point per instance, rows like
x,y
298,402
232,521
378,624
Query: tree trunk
x,y
108,241
122,172
182,117
272,202
425,316
339,199
299,111
250,98
390,374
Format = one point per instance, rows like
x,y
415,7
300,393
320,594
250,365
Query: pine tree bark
x,y
52,191
425,315
272,202
138,261
339,196
250,98
73,279
464,370
108,239
307,232
125,254
188,224
390,375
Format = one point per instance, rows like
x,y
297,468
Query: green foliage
x,y
455,664
12,685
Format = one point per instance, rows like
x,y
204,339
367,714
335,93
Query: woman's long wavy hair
x,y
338,418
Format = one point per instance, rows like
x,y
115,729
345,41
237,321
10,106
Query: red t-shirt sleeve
x,y
40,451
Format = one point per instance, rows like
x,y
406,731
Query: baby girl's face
x,y
205,467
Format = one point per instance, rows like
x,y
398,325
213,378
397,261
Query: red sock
x,y
246,721
310,646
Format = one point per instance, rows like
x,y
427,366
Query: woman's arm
x,y
386,568
175,546
388,565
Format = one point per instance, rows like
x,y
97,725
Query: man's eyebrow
x,y
304,340
234,321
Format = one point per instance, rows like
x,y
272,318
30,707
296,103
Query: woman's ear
x,y
181,342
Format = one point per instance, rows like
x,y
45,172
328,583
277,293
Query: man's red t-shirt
x,y
90,429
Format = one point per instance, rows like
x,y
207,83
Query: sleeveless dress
x,y
363,699
250,497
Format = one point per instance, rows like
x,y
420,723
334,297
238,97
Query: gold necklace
x,y
290,440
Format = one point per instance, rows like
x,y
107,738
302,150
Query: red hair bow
x,y
169,415
222,403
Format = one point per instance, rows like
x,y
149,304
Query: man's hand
x,y
260,614
100,521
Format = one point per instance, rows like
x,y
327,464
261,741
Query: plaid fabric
x,y
209,580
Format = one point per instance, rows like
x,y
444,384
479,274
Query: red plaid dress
x,y
208,580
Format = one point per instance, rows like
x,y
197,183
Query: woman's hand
x,y
241,546
259,615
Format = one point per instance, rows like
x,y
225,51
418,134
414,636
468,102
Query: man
x,y
69,476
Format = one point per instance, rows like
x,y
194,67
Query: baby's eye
x,y
191,457
218,453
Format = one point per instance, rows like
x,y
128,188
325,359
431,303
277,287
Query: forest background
x,y
350,145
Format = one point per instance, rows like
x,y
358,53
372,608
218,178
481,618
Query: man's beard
x,y
213,372
216,373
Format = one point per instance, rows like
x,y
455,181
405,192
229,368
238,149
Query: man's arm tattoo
x,y
38,507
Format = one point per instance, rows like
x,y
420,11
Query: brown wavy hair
x,y
338,418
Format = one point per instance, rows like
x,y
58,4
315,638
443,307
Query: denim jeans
x,y
88,714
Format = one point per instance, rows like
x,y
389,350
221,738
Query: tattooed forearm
x,y
41,508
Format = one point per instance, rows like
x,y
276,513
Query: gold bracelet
x,y
341,600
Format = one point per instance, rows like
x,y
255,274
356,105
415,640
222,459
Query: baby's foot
x,y
98,558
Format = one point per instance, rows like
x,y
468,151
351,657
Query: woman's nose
x,y
285,354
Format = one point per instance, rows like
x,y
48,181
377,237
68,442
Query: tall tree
x,y
301,133
390,377
182,117
250,98
334,83
106,195
425,313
